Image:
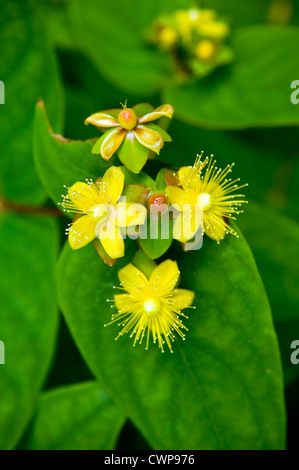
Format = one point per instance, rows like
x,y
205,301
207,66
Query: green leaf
x,y
140,179
96,149
135,193
62,161
28,248
222,387
269,233
77,417
29,71
157,235
116,41
246,93
132,154
160,183
144,263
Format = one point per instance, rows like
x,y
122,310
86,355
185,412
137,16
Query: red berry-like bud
x,y
158,202
127,118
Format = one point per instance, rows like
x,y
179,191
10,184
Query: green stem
x,y
10,206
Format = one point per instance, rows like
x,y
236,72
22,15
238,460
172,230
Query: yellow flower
x,y
127,126
206,50
99,213
152,305
205,186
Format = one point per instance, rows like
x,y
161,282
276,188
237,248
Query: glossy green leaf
x,y
132,154
246,93
140,179
77,417
274,239
269,233
135,193
28,246
156,236
29,71
160,183
224,382
62,161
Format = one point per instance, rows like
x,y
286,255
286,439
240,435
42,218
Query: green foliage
x,y
28,316
207,381
247,93
269,233
77,417
222,388
62,161
28,69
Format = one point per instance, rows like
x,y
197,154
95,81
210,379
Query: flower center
x,y
127,118
100,213
205,200
151,306
206,50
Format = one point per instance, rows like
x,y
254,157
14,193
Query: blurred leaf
x,y
115,43
77,417
28,247
239,13
55,17
28,69
213,392
247,93
62,161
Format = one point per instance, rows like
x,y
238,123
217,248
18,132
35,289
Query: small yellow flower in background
x,y
100,213
131,132
196,39
152,306
207,186
206,50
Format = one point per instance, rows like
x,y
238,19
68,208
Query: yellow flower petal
x,y
165,277
84,196
112,142
124,302
182,298
102,120
81,232
149,138
187,223
164,110
111,239
178,196
216,231
127,214
132,279
184,174
112,185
